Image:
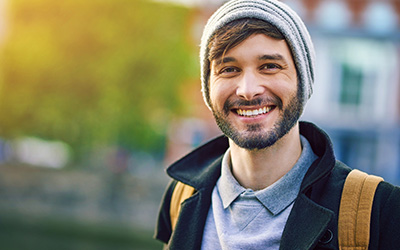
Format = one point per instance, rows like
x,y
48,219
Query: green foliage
x,y
93,72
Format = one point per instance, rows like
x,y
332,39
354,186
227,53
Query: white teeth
x,y
254,112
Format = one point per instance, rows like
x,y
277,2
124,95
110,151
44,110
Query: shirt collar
x,y
275,197
228,187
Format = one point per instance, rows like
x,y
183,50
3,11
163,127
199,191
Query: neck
x,y
258,169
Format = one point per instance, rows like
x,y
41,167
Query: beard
x,y
253,137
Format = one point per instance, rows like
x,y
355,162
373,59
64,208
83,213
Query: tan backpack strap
x,y
355,210
181,193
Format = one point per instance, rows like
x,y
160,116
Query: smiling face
x,y
253,92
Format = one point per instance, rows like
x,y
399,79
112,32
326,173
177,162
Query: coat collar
x,y
322,147
198,168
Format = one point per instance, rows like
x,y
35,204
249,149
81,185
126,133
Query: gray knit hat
x,y
275,13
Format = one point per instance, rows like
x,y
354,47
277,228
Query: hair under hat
x,y
276,13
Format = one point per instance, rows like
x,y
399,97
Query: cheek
x,y
286,90
284,85
218,93
214,96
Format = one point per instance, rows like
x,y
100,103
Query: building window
x,y
362,78
351,85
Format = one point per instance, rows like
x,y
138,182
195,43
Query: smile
x,y
253,112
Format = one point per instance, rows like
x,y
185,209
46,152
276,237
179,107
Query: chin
x,y
255,142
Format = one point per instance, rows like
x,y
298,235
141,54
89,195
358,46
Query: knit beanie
x,y
276,13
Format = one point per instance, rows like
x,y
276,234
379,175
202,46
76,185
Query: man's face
x,y
253,92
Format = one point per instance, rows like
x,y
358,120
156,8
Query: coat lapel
x,y
188,233
189,229
306,224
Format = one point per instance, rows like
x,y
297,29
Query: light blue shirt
x,y
241,218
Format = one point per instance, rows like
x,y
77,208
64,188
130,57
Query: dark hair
x,y
236,32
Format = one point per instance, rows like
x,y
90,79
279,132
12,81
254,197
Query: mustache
x,y
259,101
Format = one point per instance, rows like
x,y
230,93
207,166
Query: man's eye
x,y
271,66
228,70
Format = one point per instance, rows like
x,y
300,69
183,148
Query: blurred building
x,y
357,89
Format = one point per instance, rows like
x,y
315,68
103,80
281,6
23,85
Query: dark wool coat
x,y
313,221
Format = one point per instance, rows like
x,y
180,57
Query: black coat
x,y
313,221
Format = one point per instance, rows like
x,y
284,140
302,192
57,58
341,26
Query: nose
x,y
249,87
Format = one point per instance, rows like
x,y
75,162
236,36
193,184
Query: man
x,y
273,182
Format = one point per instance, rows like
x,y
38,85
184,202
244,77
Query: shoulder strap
x,y
181,193
355,210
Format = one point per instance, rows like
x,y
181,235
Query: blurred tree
x,y
94,72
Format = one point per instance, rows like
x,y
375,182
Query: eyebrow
x,y
274,57
225,60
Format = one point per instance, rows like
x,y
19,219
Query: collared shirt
x,y
241,218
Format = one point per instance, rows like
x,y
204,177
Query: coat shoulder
x,y
385,217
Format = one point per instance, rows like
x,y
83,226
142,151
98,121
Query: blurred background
x,y
98,97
